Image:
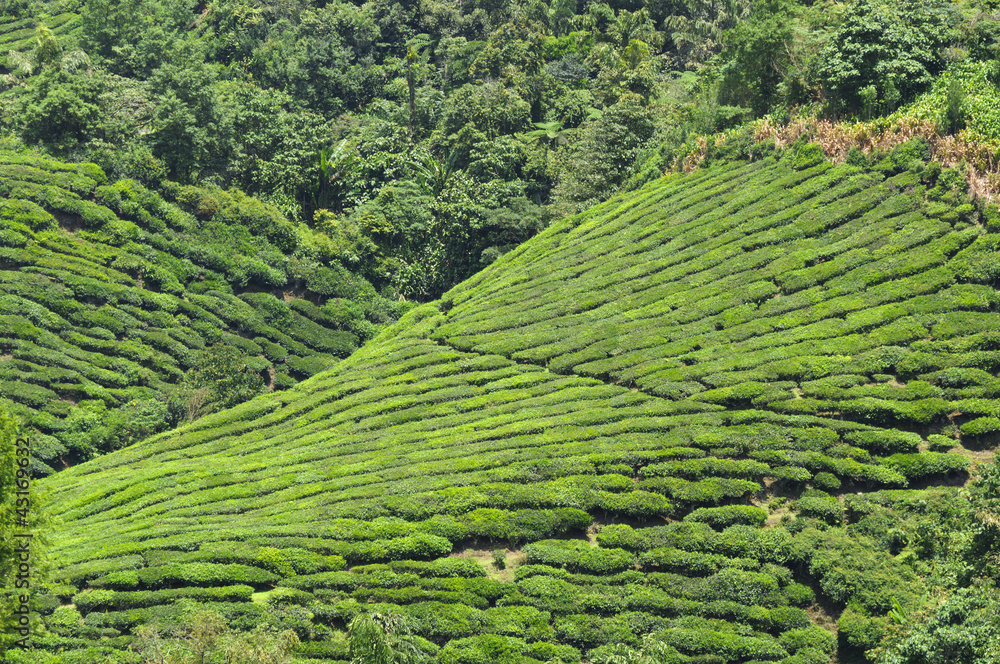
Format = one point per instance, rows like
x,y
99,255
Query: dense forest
x,y
478,332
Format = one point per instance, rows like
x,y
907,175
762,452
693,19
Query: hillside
x,y
112,296
429,138
667,408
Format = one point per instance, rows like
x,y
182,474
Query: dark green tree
x,y
983,558
964,627
192,133
758,57
131,37
220,378
885,53
60,108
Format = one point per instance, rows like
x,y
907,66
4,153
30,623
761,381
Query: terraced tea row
x,y
628,507
437,450
110,294
820,291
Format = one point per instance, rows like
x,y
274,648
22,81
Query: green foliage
x,y
935,633
824,508
984,499
60,108
925,464
219,378
883,54
670,353
721,517
117,293
381,639
848,571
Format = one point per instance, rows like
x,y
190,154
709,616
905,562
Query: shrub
x,y
939,443
691,563
622,536
859,630
485,649
722,517
576,555
798,594
884,441
744,587
825,509
499,558
981,426
784,618
809,637
639,504
524,621
826,481
925,464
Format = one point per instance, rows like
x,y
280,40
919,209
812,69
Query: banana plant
x,y
335,165
433,174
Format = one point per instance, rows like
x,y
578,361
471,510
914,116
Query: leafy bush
x,y
927,464
825,509
722,517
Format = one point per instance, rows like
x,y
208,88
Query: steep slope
x,y
645,373
109,294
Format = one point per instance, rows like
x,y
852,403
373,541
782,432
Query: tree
x,y
884,54
47,53
220,378
60,108
983,557
512,45
335,168
756,58
549,135
697,29
131,37
191,132
964,627
325,60
600,158
772,57
378,638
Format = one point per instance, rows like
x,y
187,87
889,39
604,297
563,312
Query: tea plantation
x,y
705,412
109,294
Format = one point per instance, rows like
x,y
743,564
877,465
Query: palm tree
x,y
334,164
433,174
697,32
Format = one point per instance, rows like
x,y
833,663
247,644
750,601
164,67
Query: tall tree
x,y
885,53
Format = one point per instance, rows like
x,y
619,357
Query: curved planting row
x,y
823,291
109,295
610,410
